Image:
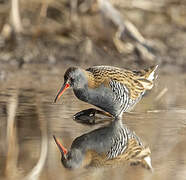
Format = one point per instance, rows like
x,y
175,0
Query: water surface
x,y
29,118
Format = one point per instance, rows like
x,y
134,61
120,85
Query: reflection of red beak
x,y
61,91
60,146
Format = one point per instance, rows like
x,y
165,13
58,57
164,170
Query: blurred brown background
x,y
130,33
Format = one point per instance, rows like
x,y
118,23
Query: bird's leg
x,y
87,116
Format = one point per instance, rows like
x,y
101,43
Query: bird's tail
x,y
146,160
143,158
147,76
150,73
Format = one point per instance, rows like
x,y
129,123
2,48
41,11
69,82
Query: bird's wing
x,y
135,81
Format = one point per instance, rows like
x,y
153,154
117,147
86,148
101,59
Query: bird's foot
x,y
88,116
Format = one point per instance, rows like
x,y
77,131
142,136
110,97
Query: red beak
x,y
61,91
62,149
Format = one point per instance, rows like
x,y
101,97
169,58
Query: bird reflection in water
x,y
110,145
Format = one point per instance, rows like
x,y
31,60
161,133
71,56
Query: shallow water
x,y
29,118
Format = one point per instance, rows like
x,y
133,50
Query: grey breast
x,y
103,97
81,94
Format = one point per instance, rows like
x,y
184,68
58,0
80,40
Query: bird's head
x,y
74,77
70,159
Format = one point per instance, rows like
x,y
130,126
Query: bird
x,y
107,146
114,90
